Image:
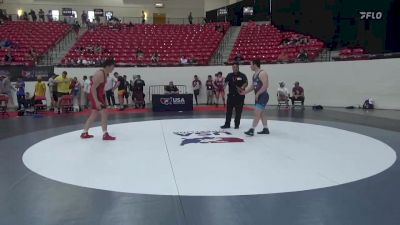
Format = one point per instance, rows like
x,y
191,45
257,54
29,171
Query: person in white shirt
x,y
283,93
109,88
86,91
183,60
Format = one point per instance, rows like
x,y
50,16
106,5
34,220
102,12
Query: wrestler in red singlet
x,y
98,102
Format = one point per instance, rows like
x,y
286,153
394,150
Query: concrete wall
x,y
336,84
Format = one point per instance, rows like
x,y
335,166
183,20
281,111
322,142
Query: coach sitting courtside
x,y
297,93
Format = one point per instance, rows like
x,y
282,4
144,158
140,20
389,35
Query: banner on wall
x,y
67,11
98,12
28,73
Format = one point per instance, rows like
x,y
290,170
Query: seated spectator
x,y
192,60
8,58
155,57
6,43
139,53
33,55
283,57
98,49
171,88
297,93
283,93
302,56
238,58
183,60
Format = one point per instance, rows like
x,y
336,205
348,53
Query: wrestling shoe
x,y
250,132
86,135
107,137
225,127
264,131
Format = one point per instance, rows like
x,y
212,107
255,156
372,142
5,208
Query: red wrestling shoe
x,y
86,135
107,137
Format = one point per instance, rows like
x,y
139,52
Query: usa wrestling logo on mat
x,y
207,137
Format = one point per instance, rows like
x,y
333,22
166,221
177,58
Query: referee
x,y
237,83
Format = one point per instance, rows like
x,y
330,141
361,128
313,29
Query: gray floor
x,y
27,198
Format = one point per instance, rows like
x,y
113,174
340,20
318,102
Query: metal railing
x,y
160,90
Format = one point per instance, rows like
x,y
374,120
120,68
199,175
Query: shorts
x,y
121,92
60,94
54,95
196,92
262,101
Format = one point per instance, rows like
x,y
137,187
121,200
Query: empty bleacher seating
x,y
24,34
265,42
170,41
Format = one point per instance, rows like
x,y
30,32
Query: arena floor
x,y
329,167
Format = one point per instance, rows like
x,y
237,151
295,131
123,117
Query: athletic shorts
x,y
60,94
262,101
121,92
196,92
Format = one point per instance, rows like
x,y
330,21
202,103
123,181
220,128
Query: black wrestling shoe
x,y
236,127
264,131
250,132
225,127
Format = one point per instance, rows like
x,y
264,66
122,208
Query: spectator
x,y
283,57
238,58
63,87
137,91
8,58
297,93
155,58
127,89
171,88
97,18
20,86
33,55
52,91
76,28
121,86
283,93
183,60
111,85
41,15
139,53
49,16
32,13
210,90
86,91
75,88
98,49
25,16
192,60
8,89
190,18
143,17
302,56
84,18
196,84
40,88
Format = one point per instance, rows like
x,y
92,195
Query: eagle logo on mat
x,y
206,137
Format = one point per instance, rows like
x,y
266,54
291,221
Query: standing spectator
x,y
86,91
84,17
41,15
76,28
25,16
155,57
121,86
283,93
52,91
190,18
40,88
63,87
32,13
196,84
8,89
75,87
127,89
20,86
137,91
143,17
297,93
8,58
33,55
210,90
49,16
109,87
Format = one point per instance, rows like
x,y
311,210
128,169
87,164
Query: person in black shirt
x,y
121,86
210,90
171,89
41,15
237,83
137,92
196,84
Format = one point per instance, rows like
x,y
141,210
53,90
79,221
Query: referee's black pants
x,y
237,102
